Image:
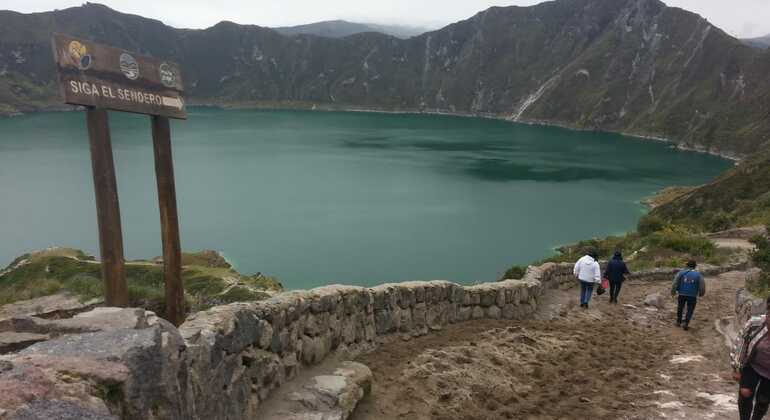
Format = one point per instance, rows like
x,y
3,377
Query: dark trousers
x,y
688,301
586,290
760,391
615,290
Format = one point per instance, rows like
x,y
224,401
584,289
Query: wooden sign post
x,y
101,77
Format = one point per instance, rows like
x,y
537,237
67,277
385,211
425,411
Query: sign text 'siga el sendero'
x,y
101,76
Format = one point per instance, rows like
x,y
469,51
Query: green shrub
x,y
241,294
677,238
650,224
670,262
760,287
86,287
203,285
715,222
514,273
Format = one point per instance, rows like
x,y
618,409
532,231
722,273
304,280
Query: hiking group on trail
x,y
750,354
688,284
589,273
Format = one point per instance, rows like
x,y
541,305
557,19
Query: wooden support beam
x,y
169,221
107,209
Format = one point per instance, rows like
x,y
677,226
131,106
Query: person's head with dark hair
x,y
593,254
618,255
691,264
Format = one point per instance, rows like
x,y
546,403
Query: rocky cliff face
x,y
627,65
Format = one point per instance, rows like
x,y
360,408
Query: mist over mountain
x,y
760,42
342,28
635,66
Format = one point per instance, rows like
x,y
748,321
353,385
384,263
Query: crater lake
x,y
315,198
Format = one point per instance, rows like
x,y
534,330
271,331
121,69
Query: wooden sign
x,y
101,76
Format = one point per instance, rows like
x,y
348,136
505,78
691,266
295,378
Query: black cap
x,y
692,264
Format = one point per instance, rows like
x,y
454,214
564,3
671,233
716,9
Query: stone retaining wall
x,y
224,362
239,353
667,274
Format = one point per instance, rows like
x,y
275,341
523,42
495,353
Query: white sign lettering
x,y
123,94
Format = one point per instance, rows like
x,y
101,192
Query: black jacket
x,y
616,270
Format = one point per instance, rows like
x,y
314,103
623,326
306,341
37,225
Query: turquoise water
x,y
355,198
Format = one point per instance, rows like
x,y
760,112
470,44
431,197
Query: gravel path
x,y
622,361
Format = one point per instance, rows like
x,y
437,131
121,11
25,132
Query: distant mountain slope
x,y
761,42
342,28
625,65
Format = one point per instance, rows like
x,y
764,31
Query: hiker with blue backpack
x,y
689,284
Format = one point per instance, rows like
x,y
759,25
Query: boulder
x,y
52,387
330,396
13,341
61,305
155,384
60,410
98,319
655,300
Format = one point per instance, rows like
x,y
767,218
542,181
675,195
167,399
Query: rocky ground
x,y
625,361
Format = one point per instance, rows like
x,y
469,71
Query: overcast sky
x,y
743,18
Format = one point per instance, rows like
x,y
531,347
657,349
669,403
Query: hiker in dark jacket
x,y
616,272
751,361
689,284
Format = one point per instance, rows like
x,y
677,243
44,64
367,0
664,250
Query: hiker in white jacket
x,y
589,273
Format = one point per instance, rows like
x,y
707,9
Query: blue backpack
x,y
689,283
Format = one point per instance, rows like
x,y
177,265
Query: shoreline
x,y
310,106
306,106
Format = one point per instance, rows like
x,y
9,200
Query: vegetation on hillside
x,y
674,230
760,286
739,197
209,280
655,244
620,65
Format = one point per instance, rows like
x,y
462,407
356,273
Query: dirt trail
x,y
621,361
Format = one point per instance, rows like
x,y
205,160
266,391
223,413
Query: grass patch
x,y
199,284
261,281
59,270
242,294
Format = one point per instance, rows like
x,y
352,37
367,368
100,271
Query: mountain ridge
x,y
341,28
634,66
759,42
